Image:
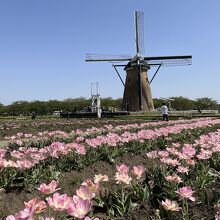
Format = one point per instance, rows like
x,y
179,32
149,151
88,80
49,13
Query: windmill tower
x,y
137,91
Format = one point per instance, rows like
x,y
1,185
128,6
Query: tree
x,y
207,103
70,104
110,102
158,103
183,103
1,108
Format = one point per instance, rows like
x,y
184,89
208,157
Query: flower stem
x,y
185,210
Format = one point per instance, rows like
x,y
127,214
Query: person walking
x,y
164,111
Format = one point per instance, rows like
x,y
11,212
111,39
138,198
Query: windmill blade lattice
x,y
107,58
169,60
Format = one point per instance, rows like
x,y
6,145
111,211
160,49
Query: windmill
x,y
137,91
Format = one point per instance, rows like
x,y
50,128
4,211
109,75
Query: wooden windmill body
x,y
137,90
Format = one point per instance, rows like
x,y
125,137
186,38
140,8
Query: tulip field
x,y
63,169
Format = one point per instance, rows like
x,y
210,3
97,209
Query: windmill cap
x,y
133,63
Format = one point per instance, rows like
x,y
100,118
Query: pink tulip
x,y
59,202
172,150
80,149
10,217
152,154
217,217
186,193
36,205
217,208
176,145
138,171
84,193
25,214
93,187
50,188
19,142
122,178
100,178
173,178
17,154
171,205
163,153
204,154
191,162
24,164
122,168
181,169
80,139
78,207
188,152
169,161
2,153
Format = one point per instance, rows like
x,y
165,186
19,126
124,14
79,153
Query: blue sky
x,y
43,45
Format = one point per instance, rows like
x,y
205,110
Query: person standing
x,y
164,111
199,110
33,115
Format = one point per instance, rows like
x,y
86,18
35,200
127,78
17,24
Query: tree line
x,y
71,105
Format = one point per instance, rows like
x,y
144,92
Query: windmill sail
x,y
139,32
169,60
107,58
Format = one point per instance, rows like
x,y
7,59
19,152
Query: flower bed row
x,y
89,132
27,158
55,159
11,127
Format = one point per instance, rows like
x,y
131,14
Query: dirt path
x,y
3,143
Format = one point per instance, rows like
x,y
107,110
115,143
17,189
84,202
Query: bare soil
x,y
12,202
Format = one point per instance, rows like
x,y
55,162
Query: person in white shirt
x,y
164,111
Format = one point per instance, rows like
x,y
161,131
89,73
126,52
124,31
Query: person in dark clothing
x,y
33,115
